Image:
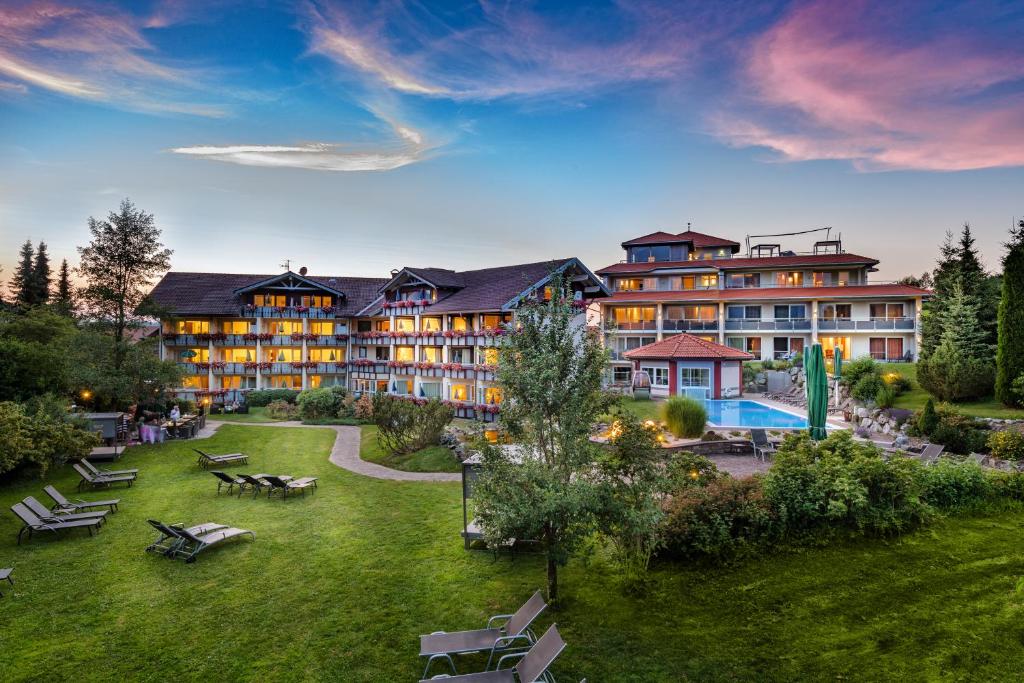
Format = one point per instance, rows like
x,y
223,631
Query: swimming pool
x,y
739,413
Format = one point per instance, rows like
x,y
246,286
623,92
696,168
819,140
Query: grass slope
x,y
338,586
431,459
917,397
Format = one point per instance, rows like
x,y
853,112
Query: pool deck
x,y
834,421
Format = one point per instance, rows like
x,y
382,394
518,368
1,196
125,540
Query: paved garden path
x,y
345,452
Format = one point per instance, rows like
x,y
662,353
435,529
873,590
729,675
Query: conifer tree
x,y
1010,350
22,282
943,279
960,366
41,275
65,298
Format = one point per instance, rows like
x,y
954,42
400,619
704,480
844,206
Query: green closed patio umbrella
x,y
817,392
838,373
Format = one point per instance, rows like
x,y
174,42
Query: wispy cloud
x,y
408,148
94,54
865,83
490,51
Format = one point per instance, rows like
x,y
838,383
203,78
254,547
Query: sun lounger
x,y
32,523
88,478
62,503
227,480
206,460
762,446
286,484
40,510
930,454
5,575
532,666
170,535
107,473
189,543
502,633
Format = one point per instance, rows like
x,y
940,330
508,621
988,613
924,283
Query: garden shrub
x,y
867,387
1006,445
264,397
684,417
363,407
897,382
954,378
282,410
689,469
722,519
959,433
316,404
885,397
855,369
928,420
951,485
404,426
41,438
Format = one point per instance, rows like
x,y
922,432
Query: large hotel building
x,y
433,333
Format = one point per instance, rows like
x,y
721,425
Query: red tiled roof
x,y
698,239
738,263
685,346
659,237
768,293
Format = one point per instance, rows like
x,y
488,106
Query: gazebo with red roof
x,y
687,361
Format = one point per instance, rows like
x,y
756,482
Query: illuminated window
x,y
195,382
492,395
460,392
490,356
382,325
547,293
237,382
236,355
633,314
322,328
316,301
193,327
328,355
405,325
284,355
201,355
285,381
234,327
490,321
430,324
459,323
269,300
432,354
405,354
284,326
790,279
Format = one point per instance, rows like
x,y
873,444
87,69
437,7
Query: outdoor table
x,y
104,454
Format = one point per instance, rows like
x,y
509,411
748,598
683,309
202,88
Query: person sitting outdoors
x,y
175,413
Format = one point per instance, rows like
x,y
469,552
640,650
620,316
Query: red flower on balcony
x,y
485,367
302,309
327,309
202,366
297,336
218,365
341,337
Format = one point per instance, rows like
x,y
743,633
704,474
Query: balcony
x,y
250,311
871,325
368,367
639,325
689,325
770,325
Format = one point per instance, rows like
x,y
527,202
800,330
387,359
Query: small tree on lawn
x,y
1010,350
547,488
120,263
961,365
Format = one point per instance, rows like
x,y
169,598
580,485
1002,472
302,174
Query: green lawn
x,y
338,586
254,415
917,397
431,459
645,410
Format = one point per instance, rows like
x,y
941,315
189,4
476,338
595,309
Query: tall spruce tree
x,y
960,366
65,301
41,275
1010,350
22,284
944,277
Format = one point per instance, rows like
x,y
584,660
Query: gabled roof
x,y
659,237
185,293
685,346
441,278
767,263
290,277
699,240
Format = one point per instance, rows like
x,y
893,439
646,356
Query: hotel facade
x,y
434,333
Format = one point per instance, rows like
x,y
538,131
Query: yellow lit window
x,y
237,382
285,326
490,321
316,301
239,355
234,326
492,395
324,328
460,392
193,327
490,356
196,382
432,354
285,381
430,324
382,325
459,324
327,355
405,354
547,293
793,279
405,325
284,355
201,355
270,300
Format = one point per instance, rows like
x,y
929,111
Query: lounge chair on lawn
x,y
930,454
286,484
500,635
532,666
170,535
97,482
206,460
108,473
762,446
5,575
227,480
190,544
62,503
32,523
40,510
254,481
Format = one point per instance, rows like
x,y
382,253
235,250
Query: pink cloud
x,y
857,81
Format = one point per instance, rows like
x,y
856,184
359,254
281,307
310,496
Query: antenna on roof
x,y
687,226
287,265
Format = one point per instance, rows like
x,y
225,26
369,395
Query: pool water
x,y
739,413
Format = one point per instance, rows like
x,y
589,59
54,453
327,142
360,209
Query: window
x,y
285,381
430,324
382,353
491,321
694,377
382,325
317,381
490,356
458,323
430,389
405,325
362,352
284,355
234,327
328,355
431,354
269,300
886,348
743,312
886,311
791,312
196,382
836,311
492,395
659,376
405,354
196,355
461,355
621,374
402,387
238,382
790,279
459,392
316,301
839,278
690,312
629,343
633,315
748,344
239,355
285,326
193,327
364,325
321,328
785,345
365,386
743,280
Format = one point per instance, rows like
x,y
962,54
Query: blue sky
x,y
353,138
